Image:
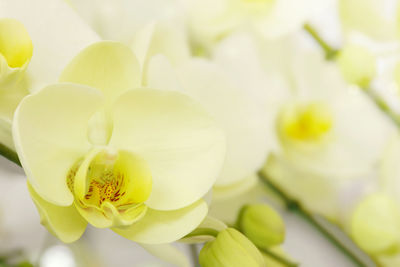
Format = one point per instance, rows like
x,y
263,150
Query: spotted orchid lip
x,y
112,190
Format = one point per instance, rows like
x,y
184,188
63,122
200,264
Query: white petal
x,y
243,123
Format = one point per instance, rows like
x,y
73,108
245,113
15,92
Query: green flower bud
x,y
262,225
230,249
357,64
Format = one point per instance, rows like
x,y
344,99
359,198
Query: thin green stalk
x,y
330,52
294,206
278,258
381,104
9,154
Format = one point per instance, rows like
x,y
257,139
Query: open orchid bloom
x,y
99,149
329,127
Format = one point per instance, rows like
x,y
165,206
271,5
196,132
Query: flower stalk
x,y
278,258
330,52
294,206
9,154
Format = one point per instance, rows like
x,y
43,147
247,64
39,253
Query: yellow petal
x,y
50,135
63,222
180,142
158,227
15,43
108,66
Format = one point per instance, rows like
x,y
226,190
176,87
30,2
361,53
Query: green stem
x,y
294,206
9,154
381,104
278,258
330,52
194,254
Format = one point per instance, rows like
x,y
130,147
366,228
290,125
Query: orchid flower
x,y
99,148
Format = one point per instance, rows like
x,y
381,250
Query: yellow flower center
x,y
15,44
110,188
305,122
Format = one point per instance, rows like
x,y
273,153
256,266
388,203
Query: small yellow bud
x,y
357,64
230,249
262,225
15,43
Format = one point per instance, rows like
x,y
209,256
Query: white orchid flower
x,y
327,131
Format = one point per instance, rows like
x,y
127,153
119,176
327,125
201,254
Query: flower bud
x,y
230,249
357,64
375,223
262,225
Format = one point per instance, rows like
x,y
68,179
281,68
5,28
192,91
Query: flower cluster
x,y
165,121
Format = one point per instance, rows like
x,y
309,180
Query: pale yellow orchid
x,y
98,149
163,49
